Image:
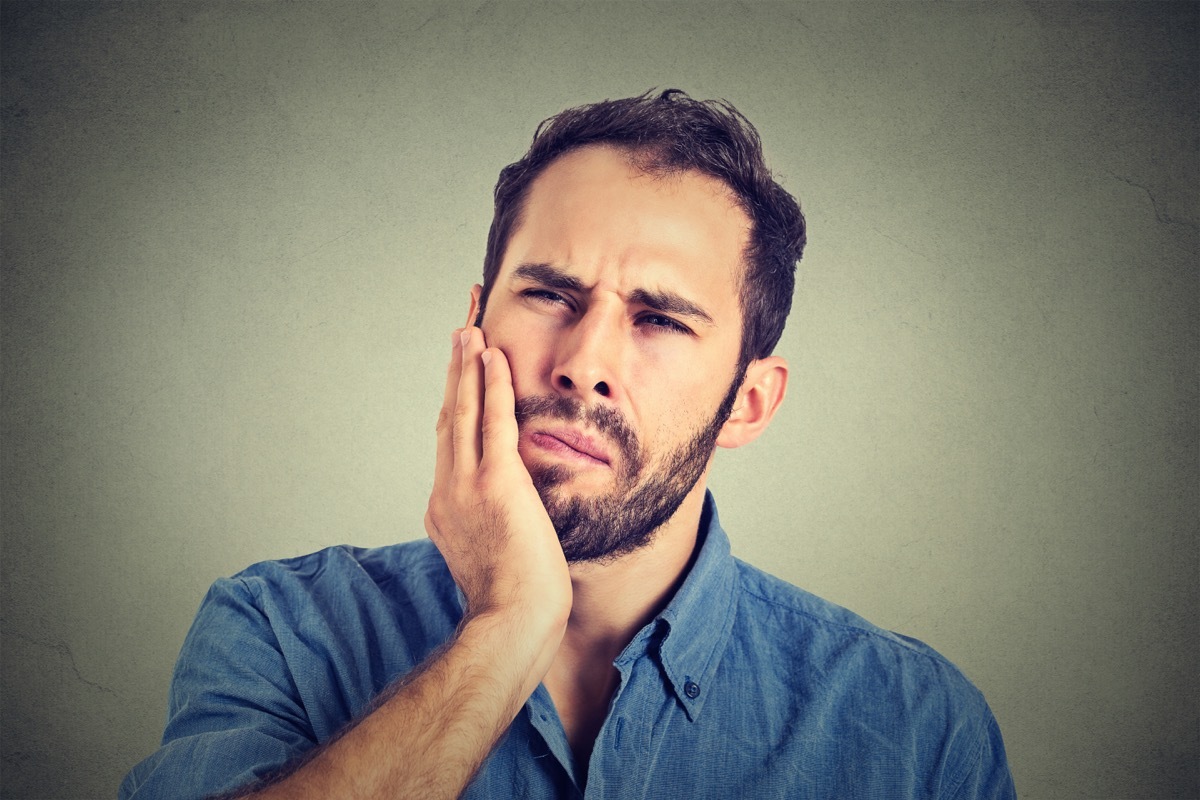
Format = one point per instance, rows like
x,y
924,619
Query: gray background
x,y
236,237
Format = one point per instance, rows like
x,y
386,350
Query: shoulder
x,y
398,599
283,654
839,648
903,709
399,570
416,557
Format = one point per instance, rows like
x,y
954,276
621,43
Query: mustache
x,y
607,421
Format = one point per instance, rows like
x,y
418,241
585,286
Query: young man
x,y
576,625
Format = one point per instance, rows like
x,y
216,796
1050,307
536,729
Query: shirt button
x,y
691,689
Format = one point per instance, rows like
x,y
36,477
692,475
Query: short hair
x,y
667,133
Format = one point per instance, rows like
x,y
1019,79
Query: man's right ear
x,y
473,311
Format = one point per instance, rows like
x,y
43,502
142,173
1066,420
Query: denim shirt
x,y
743,687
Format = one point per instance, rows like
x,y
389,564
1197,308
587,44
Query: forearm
x,y
430,732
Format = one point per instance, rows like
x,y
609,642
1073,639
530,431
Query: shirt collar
x,y
695,626
693,629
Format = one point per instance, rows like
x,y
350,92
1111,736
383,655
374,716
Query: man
x,y
575,625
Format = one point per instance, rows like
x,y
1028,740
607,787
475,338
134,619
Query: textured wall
x,y
236,236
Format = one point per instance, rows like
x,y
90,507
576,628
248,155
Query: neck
x,y
614,600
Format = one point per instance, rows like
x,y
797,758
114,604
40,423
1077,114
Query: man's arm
x,y
428,733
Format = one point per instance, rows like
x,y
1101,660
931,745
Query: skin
x,y
614,241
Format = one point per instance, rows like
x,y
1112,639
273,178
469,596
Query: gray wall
x,y
236,237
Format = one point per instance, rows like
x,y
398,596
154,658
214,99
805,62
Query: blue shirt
x,y
743,687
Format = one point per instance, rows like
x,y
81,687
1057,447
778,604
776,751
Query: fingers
x,y
499,420
445,422
467,444
477,422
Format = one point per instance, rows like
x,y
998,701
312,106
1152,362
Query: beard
x,y
602,529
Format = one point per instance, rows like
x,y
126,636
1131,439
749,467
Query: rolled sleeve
x,y
234,713
988,777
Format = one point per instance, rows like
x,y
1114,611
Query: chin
x,y
559,488
566,480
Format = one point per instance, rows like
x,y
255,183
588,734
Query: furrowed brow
x,y
548,276
671,303
666,302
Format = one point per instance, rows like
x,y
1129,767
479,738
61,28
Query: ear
x,y
757,401
473,311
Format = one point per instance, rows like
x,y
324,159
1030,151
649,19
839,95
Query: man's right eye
x,y
545,296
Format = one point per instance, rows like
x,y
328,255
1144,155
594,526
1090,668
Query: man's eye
x,y
545,296
660,321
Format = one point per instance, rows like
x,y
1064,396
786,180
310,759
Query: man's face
x,y
616,304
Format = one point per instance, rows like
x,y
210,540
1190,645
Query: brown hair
x,y
671,132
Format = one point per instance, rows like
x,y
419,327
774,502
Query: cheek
x,y
688,408
528,361
673,413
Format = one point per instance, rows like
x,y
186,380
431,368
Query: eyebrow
x,y
549,276
671,303
666,302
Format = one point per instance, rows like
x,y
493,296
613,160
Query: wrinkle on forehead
x,y
664,300
591,216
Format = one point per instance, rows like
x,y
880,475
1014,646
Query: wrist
x,y
516,621
524,638
527,612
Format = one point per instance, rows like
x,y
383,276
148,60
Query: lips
x,y
571,443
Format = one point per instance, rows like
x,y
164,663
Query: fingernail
x,y
486,357
465,336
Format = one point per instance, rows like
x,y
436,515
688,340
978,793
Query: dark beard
x,y
602,529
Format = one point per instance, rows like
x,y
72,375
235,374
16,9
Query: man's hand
x,y
484,515
430,730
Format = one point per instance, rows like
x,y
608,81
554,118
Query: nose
x,y
587,357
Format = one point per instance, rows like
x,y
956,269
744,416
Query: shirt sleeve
x,y
989,777
234,711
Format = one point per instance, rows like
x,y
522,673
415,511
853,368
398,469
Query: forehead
x,y
597,215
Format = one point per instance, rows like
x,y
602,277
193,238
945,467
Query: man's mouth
x,y
571,444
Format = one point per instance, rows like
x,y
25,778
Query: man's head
x,y
639,271
669,133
